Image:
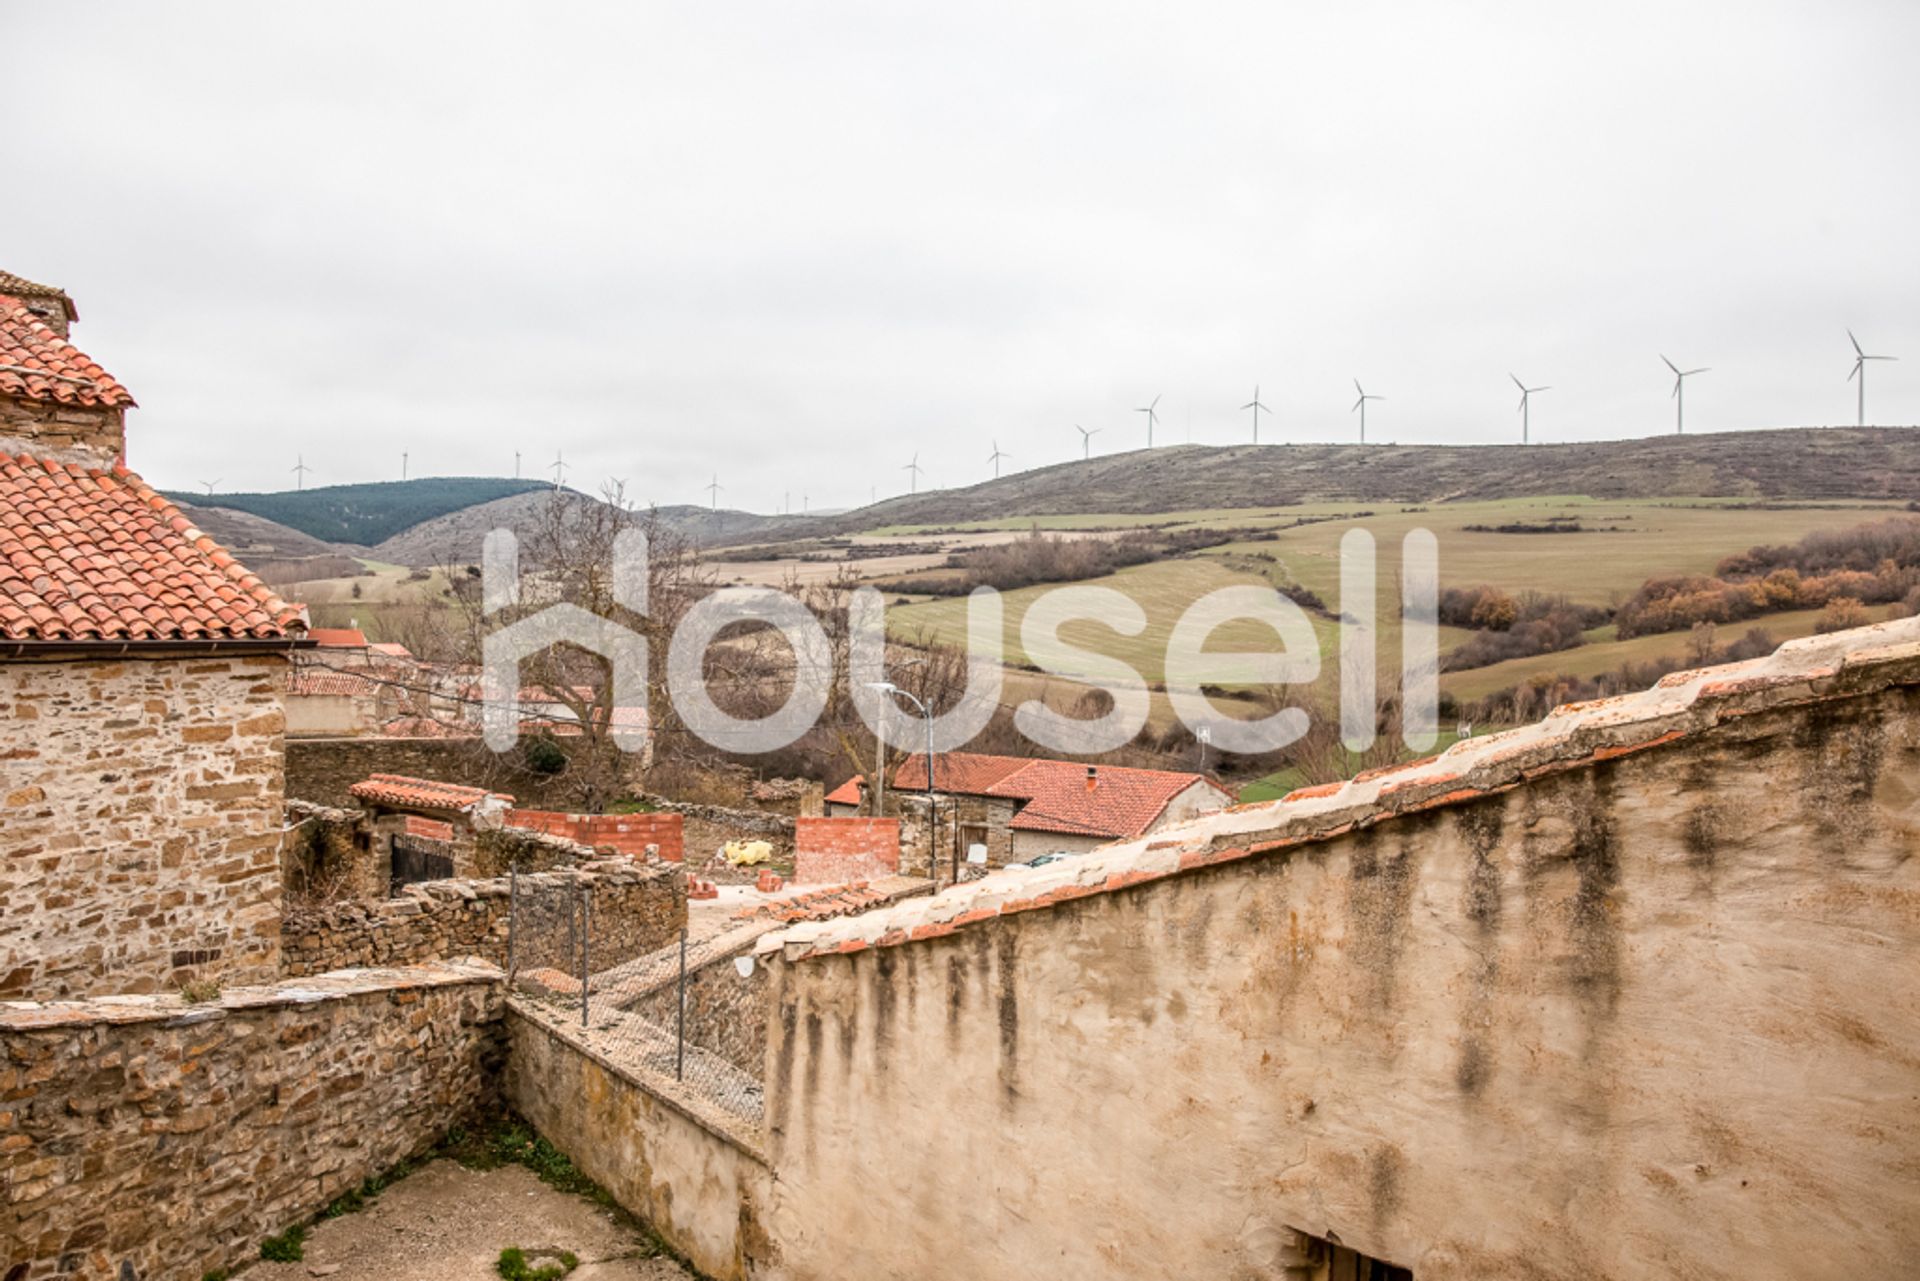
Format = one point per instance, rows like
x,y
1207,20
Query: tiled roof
x,y
1054,794
818,905
1576,736
38,364
391,649
94,554
21,287
421,793
338,637
848,793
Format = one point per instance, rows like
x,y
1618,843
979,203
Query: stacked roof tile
x,y
38,364
93,554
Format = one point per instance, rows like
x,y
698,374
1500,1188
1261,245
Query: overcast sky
x,y
791,244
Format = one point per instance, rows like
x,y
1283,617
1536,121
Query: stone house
x,y
422,830
142,679
1019,808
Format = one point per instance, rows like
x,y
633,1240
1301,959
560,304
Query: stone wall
x,y
709,827
322,769
140,819
1649,1008
634,909
834,851
328,855
726,1013
147,1140
49,428
698,1180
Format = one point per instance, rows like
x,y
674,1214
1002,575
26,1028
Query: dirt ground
x,y
445,1222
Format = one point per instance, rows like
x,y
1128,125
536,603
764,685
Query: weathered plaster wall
x,y
699,1181
144,1138
634,909
140,812
1656,1015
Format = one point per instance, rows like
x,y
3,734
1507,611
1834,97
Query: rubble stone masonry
x,y
50,429
634,909
140,813
142,1139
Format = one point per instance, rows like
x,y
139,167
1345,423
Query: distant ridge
x,y
367,514
1784,464
454,537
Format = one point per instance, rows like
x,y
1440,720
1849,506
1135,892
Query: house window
x,y
1327,1261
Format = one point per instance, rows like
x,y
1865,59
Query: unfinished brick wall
x,y
627,833
162,1141
633,908
834,851
57,429
140,814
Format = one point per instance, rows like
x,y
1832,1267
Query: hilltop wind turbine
x,y
1680,377
403,464
713,488
1526,418
1256,407
300,470
1086,440
559,469
516,464
995,458
1860,359
1361,405
913,470
209,484
1152,418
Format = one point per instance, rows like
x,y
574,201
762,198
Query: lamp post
x,y
926,714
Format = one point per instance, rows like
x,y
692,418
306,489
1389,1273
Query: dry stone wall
x,y
140,813
634,909
142,1139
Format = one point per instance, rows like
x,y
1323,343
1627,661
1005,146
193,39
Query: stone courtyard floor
x,y
445,1222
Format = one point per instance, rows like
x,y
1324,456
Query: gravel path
x,y
445,1222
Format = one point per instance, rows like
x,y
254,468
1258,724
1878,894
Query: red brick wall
x,y
627,833
833,851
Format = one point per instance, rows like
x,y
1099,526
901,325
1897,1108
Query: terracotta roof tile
x,y
319,682
21,287
338,637
1054,795
94,554
421,793
38,364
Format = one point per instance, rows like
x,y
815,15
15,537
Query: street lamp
x,y
926,713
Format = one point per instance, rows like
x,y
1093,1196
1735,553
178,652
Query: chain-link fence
x,y
692,1013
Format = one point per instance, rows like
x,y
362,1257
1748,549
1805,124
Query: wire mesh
x,y
633,1012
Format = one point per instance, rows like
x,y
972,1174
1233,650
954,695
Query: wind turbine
x,y
1860,359
403,464
300,470
995,458
1152,418
1361,405
559,469
913,473
713,488
1680,377
209,484
1086,440
1526,418
516,464
1256,407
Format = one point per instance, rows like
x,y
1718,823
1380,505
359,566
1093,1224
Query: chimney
x,y
57,403
1093,777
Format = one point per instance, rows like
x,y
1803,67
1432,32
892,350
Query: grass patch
x,y
513,1266
289,1247
200,991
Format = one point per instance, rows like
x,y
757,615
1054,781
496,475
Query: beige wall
x,y
1200,798
140,813
326,714
1658,1016
700,1187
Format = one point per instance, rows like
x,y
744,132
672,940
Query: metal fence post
x,y
586,944
680,1020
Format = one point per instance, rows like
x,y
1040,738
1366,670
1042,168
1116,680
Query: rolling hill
x,y
454,537
364,515
1788,464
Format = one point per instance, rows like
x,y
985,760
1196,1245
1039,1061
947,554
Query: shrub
x,y
288,1247
1841,614
513,1266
